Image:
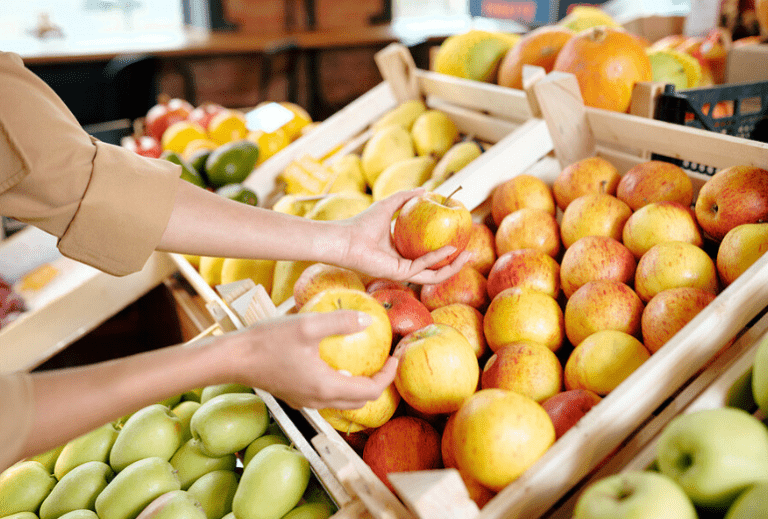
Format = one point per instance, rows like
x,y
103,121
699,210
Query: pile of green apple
x,y
210,453
570,287
709,463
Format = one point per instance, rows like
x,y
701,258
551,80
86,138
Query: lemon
x,y
227,126
300,120
210,269
180,134
269,142
259,270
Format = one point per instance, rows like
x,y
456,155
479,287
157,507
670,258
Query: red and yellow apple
x,y
528,268
674,264
660,221
595,257
522,314
589,175
593,214
321,276
481,248
568,407
466,319
526,367
466,286
518,192
406,313
374,413
669,311
528,228
655,181
741,247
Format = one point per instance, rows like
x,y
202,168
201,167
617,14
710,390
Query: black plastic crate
x,y
740,110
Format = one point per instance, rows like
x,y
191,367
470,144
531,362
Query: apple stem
x,y
453,193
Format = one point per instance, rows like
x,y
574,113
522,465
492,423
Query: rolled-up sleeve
x,y
107,205
17,412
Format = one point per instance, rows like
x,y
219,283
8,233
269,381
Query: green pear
x,y
227,423
24,486
184,410
176,504
137,485
433,133
91,446
387,145
272,484
209,392
311,511
80,514
77,490
153,431
22,515
191,463
259,443
49,457
215,492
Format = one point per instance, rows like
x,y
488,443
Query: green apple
x,y
170,401
751,504
259,443
311,511
49,457
215,492
209,392
227,423
80,514
634,495
714,454
190,462
23,515
24,486
184,410
77,490
153,431
175,504
91,446
760,375
272,483
137,485
193,395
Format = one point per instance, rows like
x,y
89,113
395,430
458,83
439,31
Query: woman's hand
x,y
372,252
282,357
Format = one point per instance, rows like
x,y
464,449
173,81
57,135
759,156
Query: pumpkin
x,y
539,47
607,62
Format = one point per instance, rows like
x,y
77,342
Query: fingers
x,y
426,276
318,325
394,202
345,392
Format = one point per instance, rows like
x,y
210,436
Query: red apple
x,y
528,268
406,313
518,192
467,286
529,228
143,145
733,196
668,311
380,283
203,114
482,248
165,113
526,367
430,221
567,407
595,257
403,444
654,181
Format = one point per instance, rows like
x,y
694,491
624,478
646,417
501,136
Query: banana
x,y
402,176
346,174
305,176
458,156
404,115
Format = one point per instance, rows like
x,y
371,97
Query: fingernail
x,y
363,319
451,249
345,373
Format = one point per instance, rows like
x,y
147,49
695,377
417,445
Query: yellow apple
x,y
674,264
527,268
466,286
261,271
526,367
593,214
361,353
740,248
285,276
498,434
374,413
437,369
603,360
321,276
518,192
595,257
655,181
482,248
668,311
517,314
589,175
466,319
528,228
660,221
603,304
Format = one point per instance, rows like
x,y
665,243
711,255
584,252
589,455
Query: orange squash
x,y
539,47
607,62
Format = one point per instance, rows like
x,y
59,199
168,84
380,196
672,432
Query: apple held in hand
x,y
525,367
733,196
429,222
634,494
374,413
437,369
596,257
655,181
567,407
362,353
406,313
321,276
669,311
741,247
714,454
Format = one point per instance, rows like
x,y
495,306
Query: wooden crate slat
x,y
478,125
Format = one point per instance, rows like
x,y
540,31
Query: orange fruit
x,y
538,47
227,126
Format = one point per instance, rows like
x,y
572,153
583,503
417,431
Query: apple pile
x,y
210,453
709,463
569,289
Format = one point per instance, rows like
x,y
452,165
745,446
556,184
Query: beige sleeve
x,y
108,205
16,413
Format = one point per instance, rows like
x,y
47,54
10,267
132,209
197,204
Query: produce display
x,y
210,453
708,462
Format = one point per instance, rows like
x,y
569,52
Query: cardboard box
x,y
748,64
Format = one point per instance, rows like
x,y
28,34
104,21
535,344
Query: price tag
x,y
523,11
268,117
